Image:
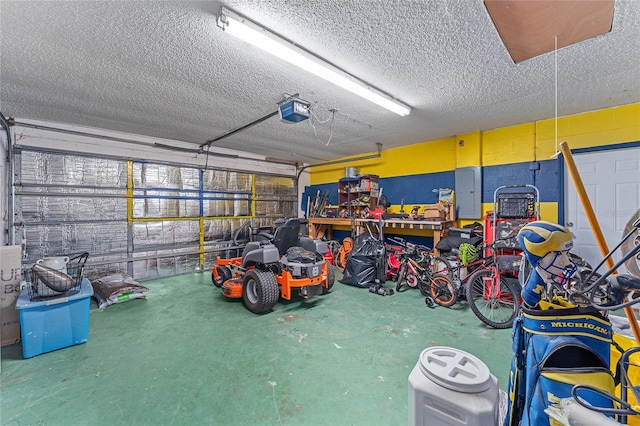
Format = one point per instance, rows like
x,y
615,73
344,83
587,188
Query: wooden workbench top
x,y
387,223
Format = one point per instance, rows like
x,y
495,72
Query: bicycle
x,y
491,294
393,256
447,284
411,271
417,264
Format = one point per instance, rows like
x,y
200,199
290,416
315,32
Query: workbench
x,y
322,227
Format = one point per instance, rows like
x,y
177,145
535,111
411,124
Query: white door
x,y
612,181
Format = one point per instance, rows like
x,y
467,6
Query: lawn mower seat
x,y
286,236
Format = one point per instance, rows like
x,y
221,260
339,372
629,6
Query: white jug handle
x,y
65,259
39,261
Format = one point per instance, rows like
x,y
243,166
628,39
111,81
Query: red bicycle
x,y
493,293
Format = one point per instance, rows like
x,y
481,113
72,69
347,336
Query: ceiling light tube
x,y
241,27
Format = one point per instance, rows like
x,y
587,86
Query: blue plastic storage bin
x,y
47,325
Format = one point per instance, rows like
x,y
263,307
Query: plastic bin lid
x,y
455,369
24,302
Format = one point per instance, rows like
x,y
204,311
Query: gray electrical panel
x,y
469,192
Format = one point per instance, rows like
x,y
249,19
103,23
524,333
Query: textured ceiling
x,y
164,69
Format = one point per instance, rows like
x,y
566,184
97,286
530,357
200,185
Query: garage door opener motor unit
x,y
294,111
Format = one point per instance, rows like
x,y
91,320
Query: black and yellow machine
x,y
278,267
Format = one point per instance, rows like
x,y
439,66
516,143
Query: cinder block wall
x,y
514,155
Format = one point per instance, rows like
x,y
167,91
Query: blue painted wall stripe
x,y
414,189
544,175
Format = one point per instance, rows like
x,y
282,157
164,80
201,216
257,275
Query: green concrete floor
x,y
188,356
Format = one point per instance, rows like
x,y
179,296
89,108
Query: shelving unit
x,y
356,194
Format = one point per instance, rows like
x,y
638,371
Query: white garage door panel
x,y
585,244
627,195
626,166
612,182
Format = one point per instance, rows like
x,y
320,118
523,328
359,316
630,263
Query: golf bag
x,y
553,350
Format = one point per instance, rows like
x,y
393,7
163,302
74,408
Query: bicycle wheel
x,y
439,265
424,285
495,305
443,291
401,274
412,280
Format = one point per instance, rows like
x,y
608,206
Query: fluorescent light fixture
x,y
241,27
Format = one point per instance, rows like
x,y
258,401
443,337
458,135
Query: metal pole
x,y
11,232
238,130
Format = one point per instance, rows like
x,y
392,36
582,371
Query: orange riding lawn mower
x,y
281,266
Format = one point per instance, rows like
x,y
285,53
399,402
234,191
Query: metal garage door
x,y
612,181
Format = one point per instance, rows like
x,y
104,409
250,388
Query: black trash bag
x,y
365,265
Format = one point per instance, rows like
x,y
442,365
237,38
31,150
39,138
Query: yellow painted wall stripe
x,y
426,157
469,150
201,242
513,144
253,195
596,128
129,191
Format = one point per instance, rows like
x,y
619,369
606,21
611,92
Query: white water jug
x,y
452,387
